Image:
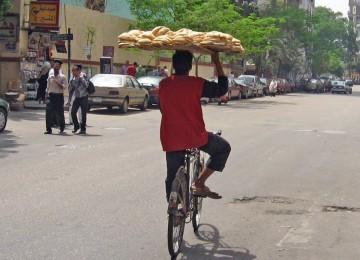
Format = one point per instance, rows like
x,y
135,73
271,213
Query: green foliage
x,y
5,5
206,15
330,41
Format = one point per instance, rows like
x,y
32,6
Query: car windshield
x,y
247,78
150,80
239,81
339,83
106,80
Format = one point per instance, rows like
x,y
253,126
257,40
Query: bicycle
x,y
182,202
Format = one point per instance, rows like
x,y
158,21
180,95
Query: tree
x,y
330,41
205,15
5,5
286,57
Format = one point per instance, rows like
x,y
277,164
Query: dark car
x,y
151,84
4,113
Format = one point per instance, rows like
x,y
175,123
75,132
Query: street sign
x,y
61,37
87,50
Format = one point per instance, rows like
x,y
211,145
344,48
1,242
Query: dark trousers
x,y
83,103
55,111
217,148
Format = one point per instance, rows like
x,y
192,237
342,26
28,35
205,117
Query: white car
x,y
114,90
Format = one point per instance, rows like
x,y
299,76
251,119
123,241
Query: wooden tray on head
x,y
162,38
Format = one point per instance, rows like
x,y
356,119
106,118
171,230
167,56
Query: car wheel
x,y
246,95
144,105
125,106
219,102
3,119
350,92
109,107
239,97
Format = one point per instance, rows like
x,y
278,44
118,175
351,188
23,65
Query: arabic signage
x,y
9,28
44,14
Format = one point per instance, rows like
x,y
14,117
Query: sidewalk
x,y
32,104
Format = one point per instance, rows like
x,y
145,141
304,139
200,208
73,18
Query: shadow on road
x,y
8,143
212,247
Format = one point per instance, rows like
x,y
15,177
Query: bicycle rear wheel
x,y
177,212
197,201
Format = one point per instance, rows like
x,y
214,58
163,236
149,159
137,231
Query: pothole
x,y
271,199
287,212
339,209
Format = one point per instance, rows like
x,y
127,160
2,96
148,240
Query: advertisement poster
x,y
44,14
9,26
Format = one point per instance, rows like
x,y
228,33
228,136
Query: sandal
x,y
205,192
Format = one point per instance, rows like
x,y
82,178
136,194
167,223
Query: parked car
x,y
255,82
266,83
151,84
247,90
291,86
314,85
282,85
349,82
340,86
223,99
234,91
114,90
4,113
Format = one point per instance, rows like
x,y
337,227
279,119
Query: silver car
x,y
114,90
340,86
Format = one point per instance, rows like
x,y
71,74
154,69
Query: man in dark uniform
x,y
56,85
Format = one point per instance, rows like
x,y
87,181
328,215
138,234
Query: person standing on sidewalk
x,y
78,86
56,86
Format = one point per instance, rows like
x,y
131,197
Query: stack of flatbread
x,y
162,38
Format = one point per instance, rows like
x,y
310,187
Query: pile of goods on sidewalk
x,y
162,38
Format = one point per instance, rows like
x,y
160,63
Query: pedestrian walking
x,y
78,86
131,70
56,85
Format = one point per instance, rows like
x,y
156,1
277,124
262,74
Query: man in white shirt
x,y
56,86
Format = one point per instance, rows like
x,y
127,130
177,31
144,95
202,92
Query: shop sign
x,y
44,14
9,28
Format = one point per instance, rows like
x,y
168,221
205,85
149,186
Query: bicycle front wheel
x,y
177,213
197,200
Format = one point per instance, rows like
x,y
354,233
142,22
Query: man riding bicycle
x,y
182,124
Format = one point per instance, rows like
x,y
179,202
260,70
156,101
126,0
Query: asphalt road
x,y
290,188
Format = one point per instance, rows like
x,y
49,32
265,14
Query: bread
x,y
162,37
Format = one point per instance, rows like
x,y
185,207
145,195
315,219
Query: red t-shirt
x,y
182,124
131,70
